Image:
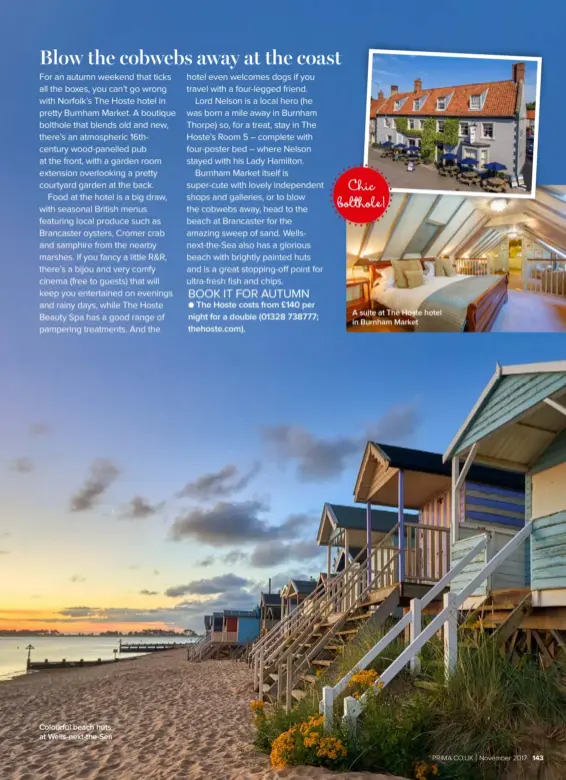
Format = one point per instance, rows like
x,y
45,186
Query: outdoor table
x,y
451,169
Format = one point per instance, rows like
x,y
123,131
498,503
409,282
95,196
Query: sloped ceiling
x,y
460,226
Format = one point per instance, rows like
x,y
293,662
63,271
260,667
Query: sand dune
x,y
169,720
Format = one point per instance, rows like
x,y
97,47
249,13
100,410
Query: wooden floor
x,y
524,312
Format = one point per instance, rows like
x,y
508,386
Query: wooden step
x,y
274,677
353,618
309,678
322,662
347,631
266,687
297,694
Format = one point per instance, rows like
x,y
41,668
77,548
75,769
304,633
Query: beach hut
x,y
519,423
419,482
270,611
344,529
294,593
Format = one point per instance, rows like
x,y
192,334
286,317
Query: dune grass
x,y
477,724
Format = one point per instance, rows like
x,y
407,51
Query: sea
x,y
13,652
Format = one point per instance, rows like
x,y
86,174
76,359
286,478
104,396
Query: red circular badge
x,y
361,195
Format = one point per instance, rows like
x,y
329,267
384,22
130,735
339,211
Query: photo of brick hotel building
x,y
457,136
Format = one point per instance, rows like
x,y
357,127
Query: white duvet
x,y
410,298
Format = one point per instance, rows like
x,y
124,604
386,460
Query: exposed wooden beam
x,y
394,224
424,219
477,228
455,233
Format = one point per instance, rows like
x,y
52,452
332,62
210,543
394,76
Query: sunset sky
x,y
148,480
148,488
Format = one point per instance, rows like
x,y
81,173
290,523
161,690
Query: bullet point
x,y
191,305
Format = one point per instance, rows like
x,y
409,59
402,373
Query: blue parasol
x,y
449,156
495,166
469,161
413,149
387,143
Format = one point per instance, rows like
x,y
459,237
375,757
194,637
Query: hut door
x,y
231,624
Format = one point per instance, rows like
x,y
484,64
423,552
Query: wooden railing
x,y
446,619
545,276
427,552
224,636
473,266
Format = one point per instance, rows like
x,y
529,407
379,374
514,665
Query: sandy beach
x,y
168,719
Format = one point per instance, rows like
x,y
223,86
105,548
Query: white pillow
x,y
387,276
428,269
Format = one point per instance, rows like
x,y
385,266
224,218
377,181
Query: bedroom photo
x,y
450,263
439,122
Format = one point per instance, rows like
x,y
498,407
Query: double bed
x,y
443,304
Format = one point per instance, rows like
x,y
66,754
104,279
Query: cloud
x,y
219,484
281,579
4,552
208,561
235,556
156,572
39,429
77,578
79,612
139,508
22,465
145,592
270,554
133,566
319,459
231,522
103,474
207,587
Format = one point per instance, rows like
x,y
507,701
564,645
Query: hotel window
x,y
441,104
464,129
387,122
475,102
411,124
440,125
487,130
397,105
416,105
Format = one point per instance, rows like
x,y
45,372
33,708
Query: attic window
x,y
475,102
397,105
416,104
441,104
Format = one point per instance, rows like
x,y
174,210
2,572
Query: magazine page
x,y
283,377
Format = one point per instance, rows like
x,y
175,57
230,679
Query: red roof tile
x,y
500,101
531,113
374,105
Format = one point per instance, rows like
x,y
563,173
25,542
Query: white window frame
x,y
470,151
413,125
488,137
386,121
442,100
397,105
417,104
438,121
460,133
478,107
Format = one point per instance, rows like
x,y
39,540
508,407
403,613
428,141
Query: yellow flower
x,y
366,678
381,684
331,748
312,739
282,749
257,706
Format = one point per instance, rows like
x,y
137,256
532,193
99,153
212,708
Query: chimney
x,y
418,85
518,71
269,591
394,89
380,95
